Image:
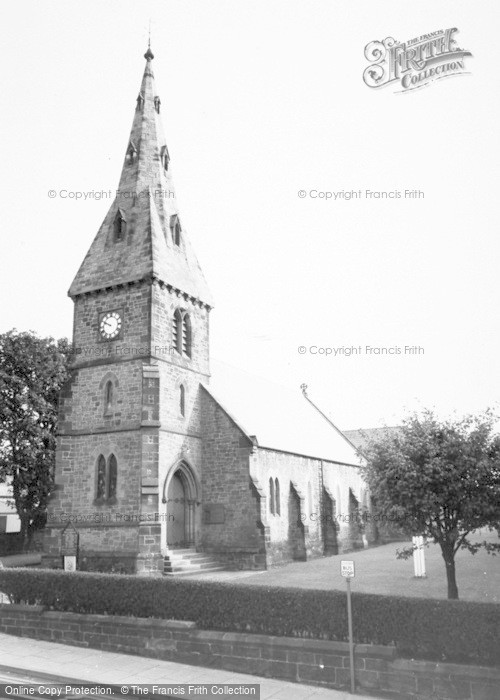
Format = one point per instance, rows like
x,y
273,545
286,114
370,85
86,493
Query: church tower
x,y
129,429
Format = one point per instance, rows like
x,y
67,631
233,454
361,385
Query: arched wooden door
x,y
176,509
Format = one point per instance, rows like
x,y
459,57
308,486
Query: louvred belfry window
x,y
181,332
176,330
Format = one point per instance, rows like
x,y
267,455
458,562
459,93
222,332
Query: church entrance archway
x,y
180,497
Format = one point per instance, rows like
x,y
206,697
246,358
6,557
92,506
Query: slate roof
x,y
280,418
360,438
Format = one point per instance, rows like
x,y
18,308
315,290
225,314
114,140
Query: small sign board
x,y
347,568
69,563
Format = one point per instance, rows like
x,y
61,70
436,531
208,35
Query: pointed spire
x,y
146,168
146,201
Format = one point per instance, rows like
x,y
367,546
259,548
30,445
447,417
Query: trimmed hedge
x,y
441,630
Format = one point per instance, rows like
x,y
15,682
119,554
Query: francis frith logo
x,y
414,63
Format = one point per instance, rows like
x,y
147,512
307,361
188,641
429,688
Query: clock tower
x,y
129,428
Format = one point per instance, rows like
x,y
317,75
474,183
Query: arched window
x,y
271,496
182,400
112,476
108,398
277,497
181,332
157,103
119,226
107,475
175,229
101,478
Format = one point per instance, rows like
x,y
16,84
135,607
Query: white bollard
x,y
418,557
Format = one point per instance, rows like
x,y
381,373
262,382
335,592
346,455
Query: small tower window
x,y
271,495
175,229
120,226
181,332
140,101
157,103
108,398
182,400
277,497
164,157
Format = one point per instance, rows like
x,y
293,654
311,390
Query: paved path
x,y
21,653
28,559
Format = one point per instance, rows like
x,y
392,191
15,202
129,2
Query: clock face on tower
x,y
110,325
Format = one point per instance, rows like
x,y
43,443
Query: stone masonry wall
x,y
316,662
234,536
307,487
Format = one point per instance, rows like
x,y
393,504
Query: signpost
x,y
347,571
69,547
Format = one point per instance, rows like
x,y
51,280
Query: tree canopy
x,y
439,479
32,371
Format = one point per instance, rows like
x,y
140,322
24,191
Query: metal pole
x,y
351,643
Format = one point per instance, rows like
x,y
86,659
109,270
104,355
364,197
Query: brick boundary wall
x,y
317,662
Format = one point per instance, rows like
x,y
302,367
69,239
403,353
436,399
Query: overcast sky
x,y
262,99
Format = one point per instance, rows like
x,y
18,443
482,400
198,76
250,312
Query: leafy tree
x,y
439,479
32,371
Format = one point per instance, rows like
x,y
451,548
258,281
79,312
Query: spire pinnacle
x,y
149,55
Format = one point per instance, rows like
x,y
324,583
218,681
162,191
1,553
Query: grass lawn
x,y
378,571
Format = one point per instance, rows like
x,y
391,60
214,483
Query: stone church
x,y
165,459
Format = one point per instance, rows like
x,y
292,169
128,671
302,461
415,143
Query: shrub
x,y
442,630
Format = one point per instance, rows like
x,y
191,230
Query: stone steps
x,y
182,562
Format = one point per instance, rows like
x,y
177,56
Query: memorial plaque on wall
x,y
213,514
69,541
